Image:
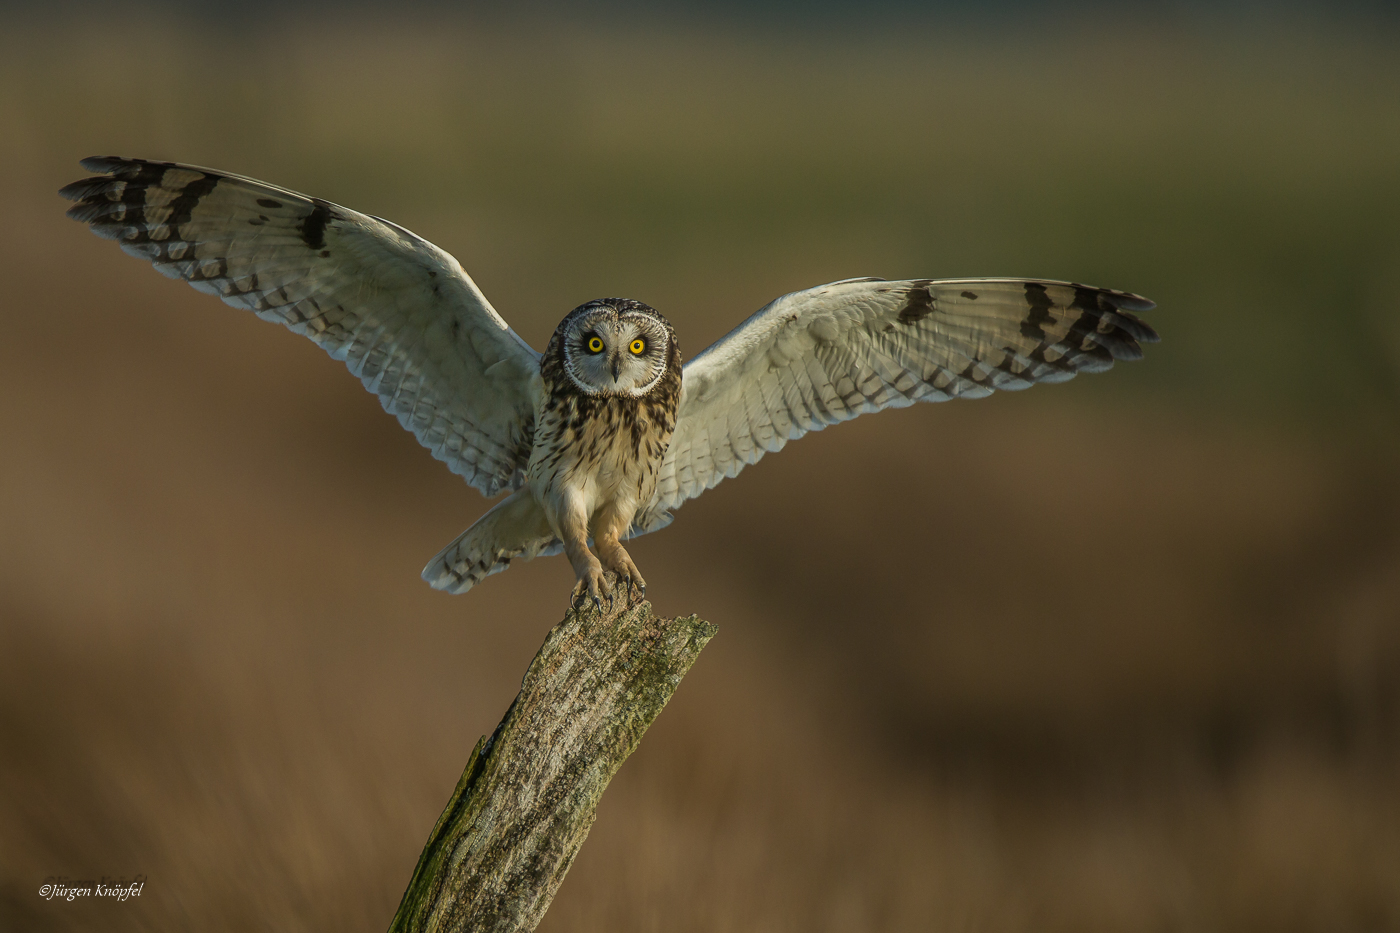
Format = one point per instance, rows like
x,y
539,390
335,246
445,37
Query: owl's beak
x,y
616,365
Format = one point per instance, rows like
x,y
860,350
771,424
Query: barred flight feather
x,y
399,312
828,354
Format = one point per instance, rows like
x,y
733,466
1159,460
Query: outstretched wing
x,y
399,311
828,354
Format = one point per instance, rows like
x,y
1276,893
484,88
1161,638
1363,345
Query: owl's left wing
x,y
828,354
399,312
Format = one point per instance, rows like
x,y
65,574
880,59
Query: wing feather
x,y
828,354
398,311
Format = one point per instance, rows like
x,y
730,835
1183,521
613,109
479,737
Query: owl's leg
x,y
573,531
607,528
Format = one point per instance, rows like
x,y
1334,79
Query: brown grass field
x,y
1122,654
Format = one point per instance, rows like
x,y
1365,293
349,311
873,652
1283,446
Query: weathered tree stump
x,y
526,800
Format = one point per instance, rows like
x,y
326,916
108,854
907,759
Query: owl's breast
x,y
600,451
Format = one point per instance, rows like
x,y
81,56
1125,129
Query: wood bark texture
x,y
526,800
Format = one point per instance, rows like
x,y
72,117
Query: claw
x,y
589,589
617,562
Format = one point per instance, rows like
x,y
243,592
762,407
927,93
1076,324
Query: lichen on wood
x,y
526,800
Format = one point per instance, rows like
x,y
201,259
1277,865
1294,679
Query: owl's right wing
x,y
827,354
400,312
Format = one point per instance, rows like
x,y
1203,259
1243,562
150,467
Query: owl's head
x,y
615,346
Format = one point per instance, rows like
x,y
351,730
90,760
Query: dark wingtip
x,y
1127,301
105,164
1140,329
1127,349
84,212
74,192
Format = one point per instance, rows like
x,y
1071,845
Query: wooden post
x,y
526,800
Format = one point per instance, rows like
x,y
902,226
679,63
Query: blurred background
x,y
1126,655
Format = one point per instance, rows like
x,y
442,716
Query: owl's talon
x,y
589,588
617,560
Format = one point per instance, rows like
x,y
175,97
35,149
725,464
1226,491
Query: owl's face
x,y
615,347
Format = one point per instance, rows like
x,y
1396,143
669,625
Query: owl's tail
x,y
514,529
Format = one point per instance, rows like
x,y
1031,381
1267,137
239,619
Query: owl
x,y
600,438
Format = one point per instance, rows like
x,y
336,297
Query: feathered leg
x,y
573,529
608,526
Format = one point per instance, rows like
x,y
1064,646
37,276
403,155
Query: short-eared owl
x,y
607,433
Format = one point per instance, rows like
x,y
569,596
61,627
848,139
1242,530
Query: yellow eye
x,y
595,344
639,346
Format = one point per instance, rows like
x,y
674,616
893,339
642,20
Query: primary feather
x,y
827,354
400,312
